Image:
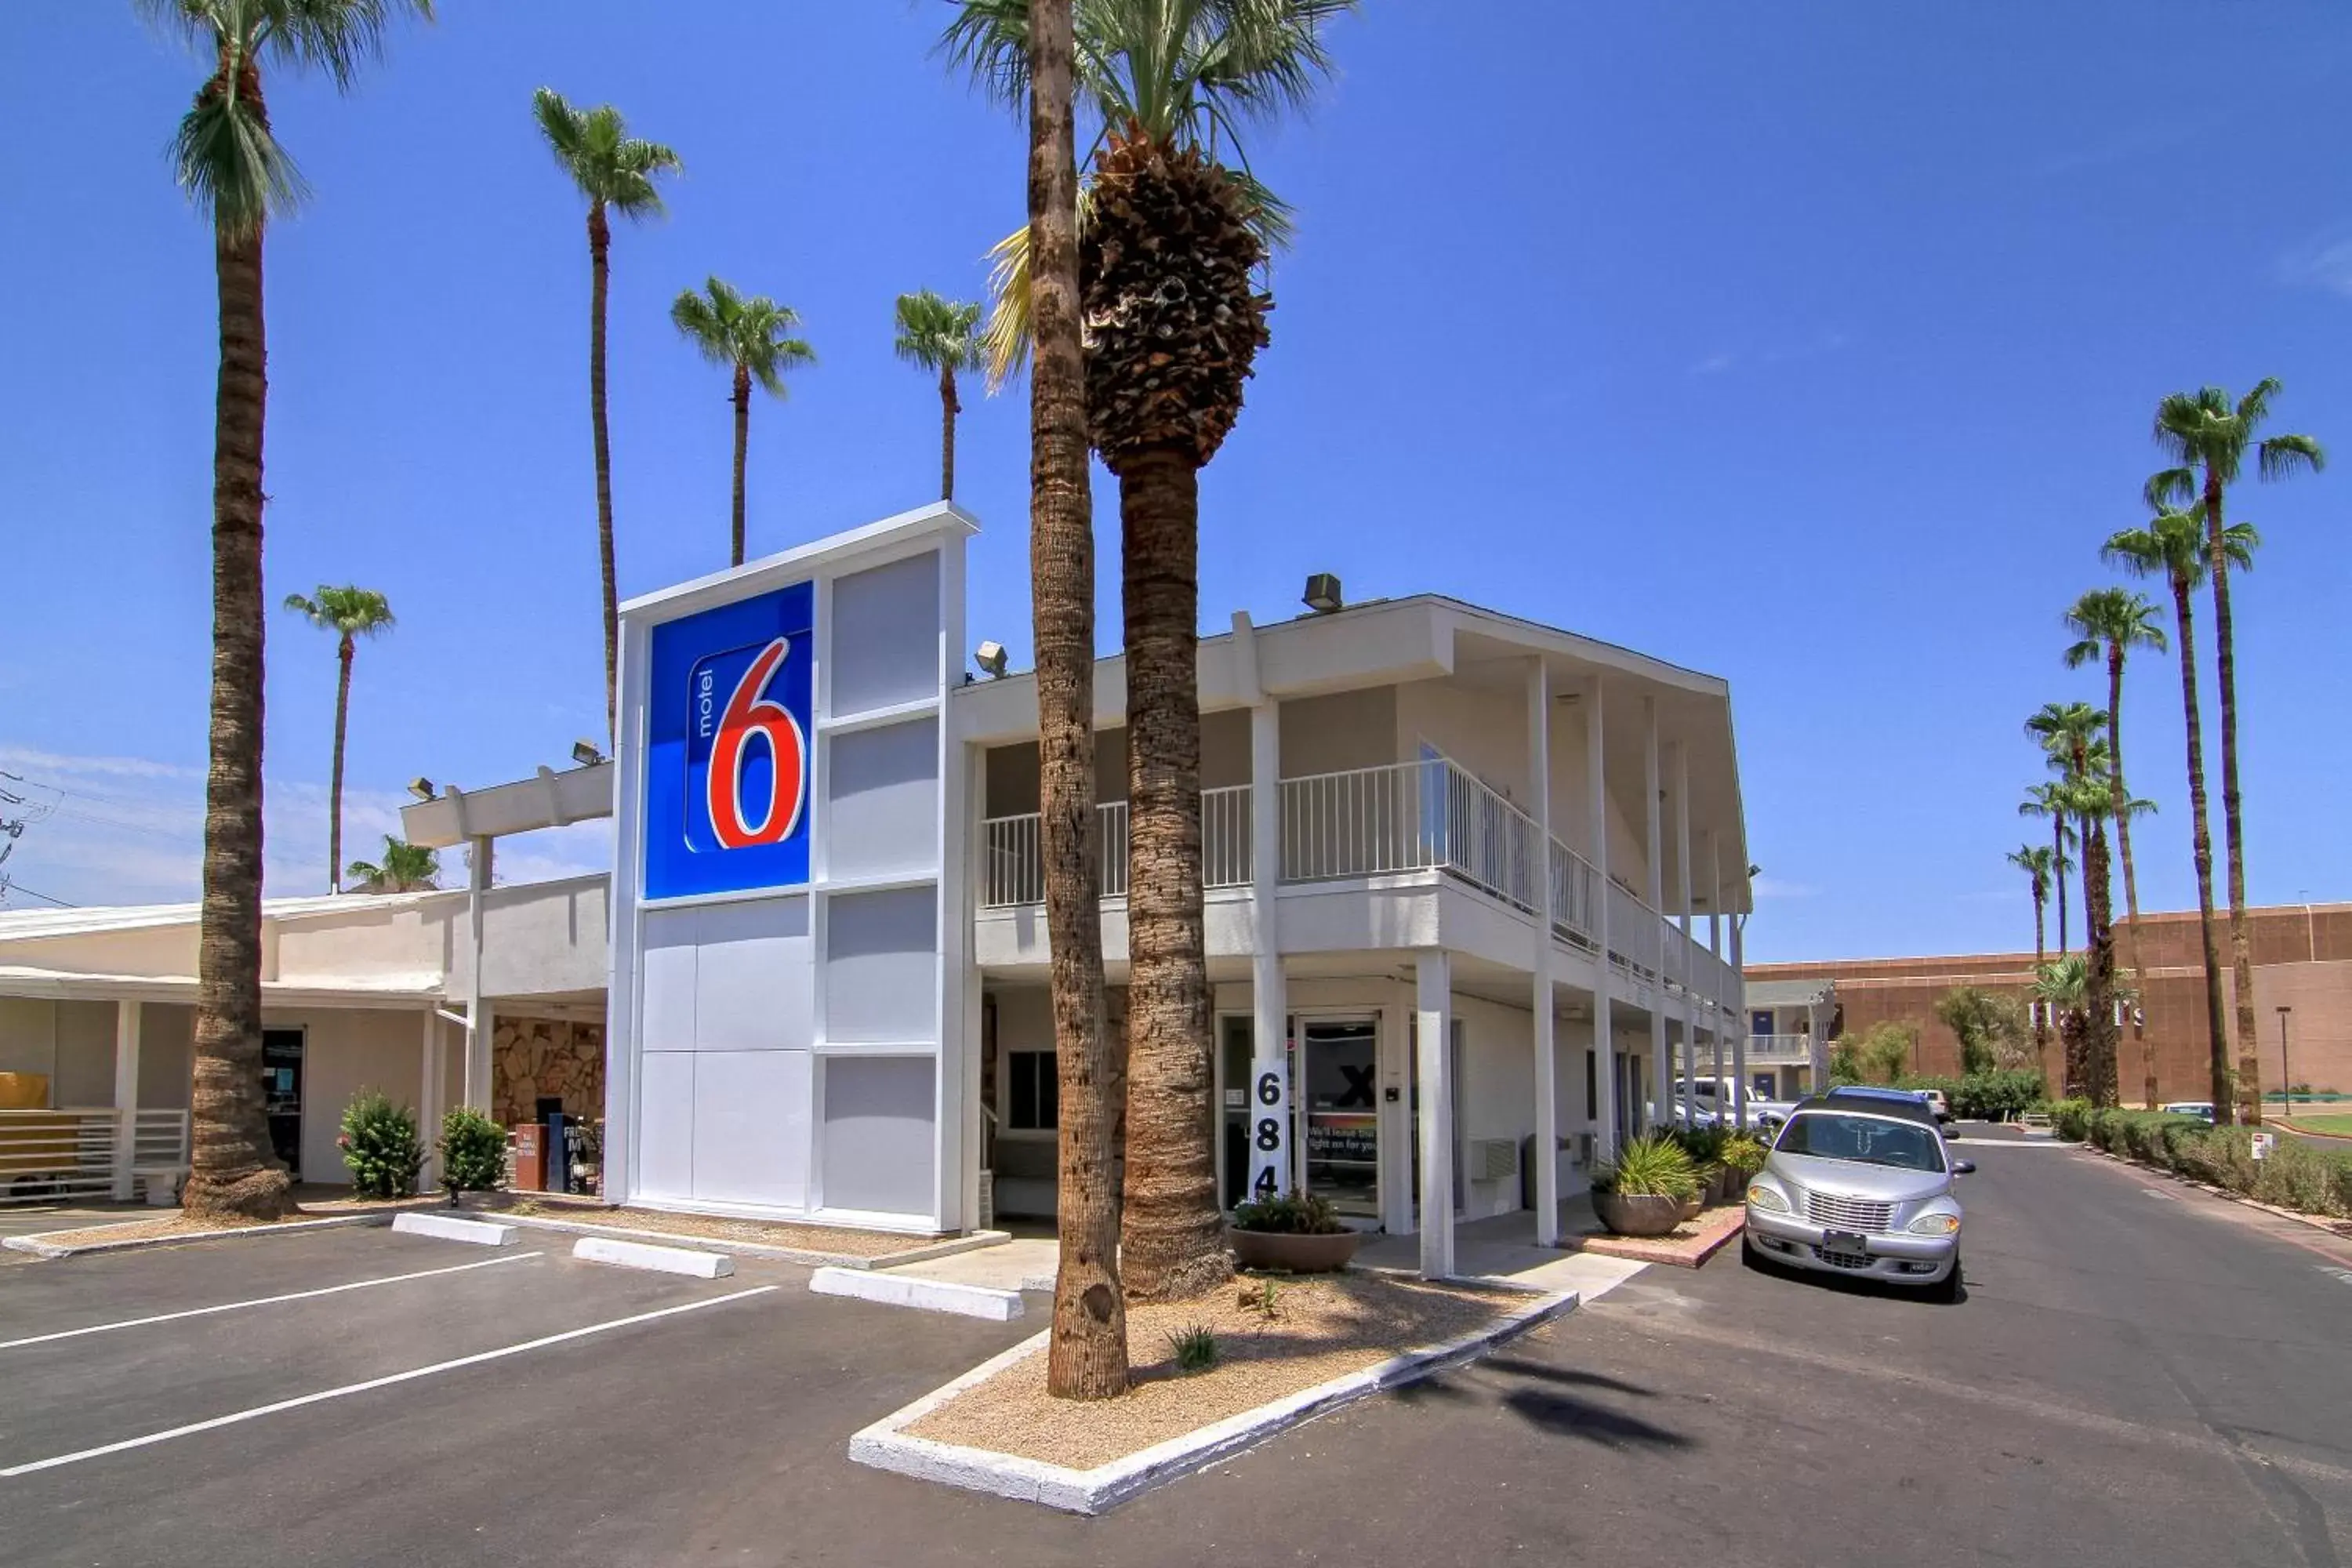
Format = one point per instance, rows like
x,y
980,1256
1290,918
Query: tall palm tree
x,y
2061,986
2208,438
1087,1357
943,336
2171,545
350,613
753,338
615,171
2108,623
1169,248
405,869
2046,800
2072,734
2038,861
228,160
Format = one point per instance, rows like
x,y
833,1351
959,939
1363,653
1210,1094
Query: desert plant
x,y
2070,1118
1744,1154
1984,1022
1292,1214
1653,1166
473,1153
380,1145
1195,1348
1996,1096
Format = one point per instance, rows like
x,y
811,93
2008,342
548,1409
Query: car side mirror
x,y
1964,1167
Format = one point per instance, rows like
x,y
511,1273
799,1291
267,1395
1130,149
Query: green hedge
x,y
1984,1096
2296,1176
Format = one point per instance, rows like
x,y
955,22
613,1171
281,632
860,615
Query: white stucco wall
x,y
344,1052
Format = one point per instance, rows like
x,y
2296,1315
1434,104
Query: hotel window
x,y
1035,1101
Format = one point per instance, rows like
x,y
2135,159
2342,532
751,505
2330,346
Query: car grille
x,y
1848,1213
1842,1259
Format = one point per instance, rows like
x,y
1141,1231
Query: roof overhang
x,y
547,799
396,991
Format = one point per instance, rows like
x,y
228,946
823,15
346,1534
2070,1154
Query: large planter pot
x,y
1691,1205
1727,1186
1293,1254
1637,1213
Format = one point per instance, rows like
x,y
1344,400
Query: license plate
x,y
1846,1242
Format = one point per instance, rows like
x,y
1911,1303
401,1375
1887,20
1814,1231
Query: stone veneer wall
x,y
534,1057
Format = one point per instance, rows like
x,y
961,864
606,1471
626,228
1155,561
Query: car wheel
x,y
1949,1288
1752,1257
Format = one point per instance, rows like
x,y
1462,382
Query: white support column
x,y
480,1030
1816,1051
1660,1075
1683,898
1434,1009
1738,1025
1715,969
1269,995
1544,1195
1604,977
126,1096
429,1100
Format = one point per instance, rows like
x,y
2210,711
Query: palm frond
x,y
347,611
2168,488
2284,454
232,167
611,167
938,333
752,334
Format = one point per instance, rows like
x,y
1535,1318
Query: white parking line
x,y
323,1395
258,1301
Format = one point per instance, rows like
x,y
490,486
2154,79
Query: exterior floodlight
x,y
990,656
585,753
421,787
1322,594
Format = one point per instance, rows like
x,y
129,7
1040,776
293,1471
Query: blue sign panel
x,y
728,747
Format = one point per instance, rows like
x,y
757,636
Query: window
x,y
1865,1140
1037,1093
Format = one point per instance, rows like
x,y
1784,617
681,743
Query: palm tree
x,y
350,612
750,338
615,171
226,156
1086,1358
2171,544
2071,732
2047,800
2062,986
2207,436
405,868
942,335
2038,861
1170,246
2108,623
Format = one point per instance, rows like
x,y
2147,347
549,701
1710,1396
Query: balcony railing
x,y
47,1156
1780,1050
1012,855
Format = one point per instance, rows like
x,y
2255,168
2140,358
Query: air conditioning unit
x,y
1494,1159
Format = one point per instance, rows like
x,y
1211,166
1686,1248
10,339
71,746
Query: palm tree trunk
x,y
2041,1024
1170,1233
232,1173
2121,805
2242,962
2201,840
600,244
742,446
2058,873
1086,1358
949,409
2099,1028
335,773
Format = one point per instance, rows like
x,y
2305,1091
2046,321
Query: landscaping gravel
x,y
800,1238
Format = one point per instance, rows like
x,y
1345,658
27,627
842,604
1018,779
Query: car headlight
x,y
1935,1224
1764,1198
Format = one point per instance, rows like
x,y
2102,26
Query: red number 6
x,y
750,717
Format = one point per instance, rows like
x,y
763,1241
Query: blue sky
x,y
1813,344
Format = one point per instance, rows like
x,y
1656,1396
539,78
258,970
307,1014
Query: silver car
x,y
1860,1190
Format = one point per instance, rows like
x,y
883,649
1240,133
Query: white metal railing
x,y
1777,1050
1637,933
1012,854
1430,815
1110,847
1575,895
67,1153
1226,845
1013,867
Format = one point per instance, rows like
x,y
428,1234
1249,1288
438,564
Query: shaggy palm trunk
x,y
2201,841
2058,863
2073,1039
948,408
232,1172
1086,1358
742,400
2242,962
2099,1045
1171,1232
2041,1023
2122,807
600,245
335,773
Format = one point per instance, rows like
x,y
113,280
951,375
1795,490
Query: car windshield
x,y
1866,1140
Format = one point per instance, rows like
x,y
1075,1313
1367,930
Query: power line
x,y
8,886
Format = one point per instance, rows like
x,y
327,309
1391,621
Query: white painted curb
x,y
885,1446
40,1248
764,1249
928,1295
660,1259
447,1227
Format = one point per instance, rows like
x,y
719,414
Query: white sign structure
x,y
1270,1138
2262,1142
790,995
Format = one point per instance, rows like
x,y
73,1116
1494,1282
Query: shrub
x,y
1650,1166
1703,1145
1292,1214
2297,1176
1996,1096
1745,1154
473,1153
2070,1118
379,1143
1195,1348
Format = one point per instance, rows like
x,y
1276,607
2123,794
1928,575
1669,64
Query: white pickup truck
x,y
1716,1106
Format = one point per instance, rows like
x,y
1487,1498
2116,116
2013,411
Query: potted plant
x,y
1298,1233
1743,1155
1704,1147
1643,1190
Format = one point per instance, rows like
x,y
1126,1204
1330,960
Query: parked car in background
x,y
1719,1101
2202,1109
1860,1186
1928,1100
1938,1104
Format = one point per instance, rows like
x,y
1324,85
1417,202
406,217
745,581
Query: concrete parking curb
x,y
924,1295
813,1259
450,1227
886,1445
658,1260
40,1248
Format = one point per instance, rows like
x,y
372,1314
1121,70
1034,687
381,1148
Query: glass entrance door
x,y
1340,1102
282,1094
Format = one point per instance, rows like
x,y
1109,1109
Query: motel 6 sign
x,y
727,752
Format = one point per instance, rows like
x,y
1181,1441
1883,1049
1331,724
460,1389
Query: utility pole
x,y
2286,1079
